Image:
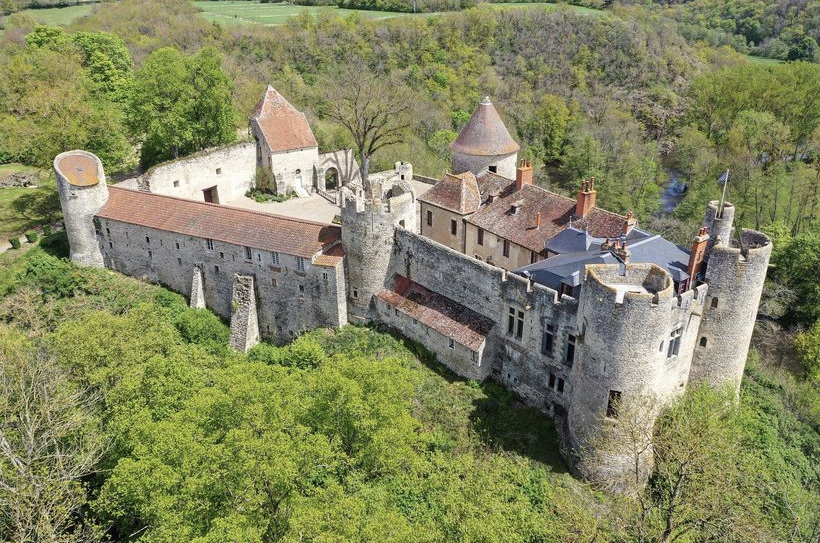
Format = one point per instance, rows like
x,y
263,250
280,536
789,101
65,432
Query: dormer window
x,y
514,209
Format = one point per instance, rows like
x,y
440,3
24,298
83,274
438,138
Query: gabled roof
x,y
513,215
440,313
222,223
485,134
456,193
283,126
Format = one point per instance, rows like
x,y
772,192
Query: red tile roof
x,y
438,312
330,257
519,227
222,223
457,193
485,134
283,126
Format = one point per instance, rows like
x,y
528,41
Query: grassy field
x,y
34,201
239,12
59,16
762,60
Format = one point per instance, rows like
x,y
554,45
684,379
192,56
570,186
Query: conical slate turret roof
x,y
485,134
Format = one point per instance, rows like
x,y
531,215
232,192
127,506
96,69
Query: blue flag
x,y
724,177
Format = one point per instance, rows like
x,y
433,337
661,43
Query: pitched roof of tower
x,y
222,223
283,126
457,193
485,134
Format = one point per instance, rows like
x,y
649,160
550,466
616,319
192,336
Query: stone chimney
x,y
586,198
538,220
523,174
699,245
630,223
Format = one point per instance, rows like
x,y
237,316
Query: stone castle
x,y
579,311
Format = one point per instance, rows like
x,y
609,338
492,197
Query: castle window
x,y
703,341
474,356
547,339
219,171
401,223
560,387
552,381
273,282
714,302
179,261
148,240
674,342
507,248
396,312
221,254
107,230
274,259
570,355
259,257
110,245
613,404
480,239
150,254
300,263
515,323
533,257
177,244
248,253
451,344
216,269
209,244
176,184
355,294
429,218
324,276
453,227
660,347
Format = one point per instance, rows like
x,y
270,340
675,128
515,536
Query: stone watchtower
x,y
484,144
624,314
369,220
735,273
83,191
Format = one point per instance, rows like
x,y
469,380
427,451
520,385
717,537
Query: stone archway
x,y
332,179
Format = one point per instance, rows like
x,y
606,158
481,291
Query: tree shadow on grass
x,y
55,244
499,417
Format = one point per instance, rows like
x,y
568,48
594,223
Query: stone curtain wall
x,y
231,169
298,301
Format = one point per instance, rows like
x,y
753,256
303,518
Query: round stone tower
x,y
735,275
620,374
719,224
83,191
369,221
485,144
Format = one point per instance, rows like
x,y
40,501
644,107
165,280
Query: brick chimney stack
x,y
629,223
523,174
538,220
586,198
697,255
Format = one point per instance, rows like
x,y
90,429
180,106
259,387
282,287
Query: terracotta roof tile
x,y
519,226
283,126
331,256
485,134
222,223
438,312
458,193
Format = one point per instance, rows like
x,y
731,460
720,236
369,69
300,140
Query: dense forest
x,y
357,435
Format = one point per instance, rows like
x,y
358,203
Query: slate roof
x,y
498,217
283,126
485,134
222,223
644,247
440,313
457,193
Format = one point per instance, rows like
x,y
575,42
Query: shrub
x,y
54,276
32,237
15,242
47,230
267,354
305,352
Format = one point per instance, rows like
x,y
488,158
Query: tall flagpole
x,y
725,178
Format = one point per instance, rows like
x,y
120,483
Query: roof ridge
x,y
602,210
223,206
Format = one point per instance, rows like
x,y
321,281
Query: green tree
x,y
180,105
546,129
